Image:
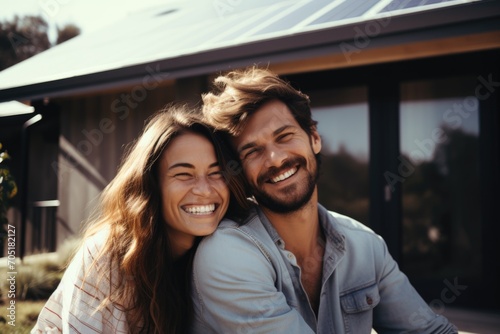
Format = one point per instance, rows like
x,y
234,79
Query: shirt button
x,y
369,300
290,255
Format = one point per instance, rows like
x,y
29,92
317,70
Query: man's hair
x,y
239,93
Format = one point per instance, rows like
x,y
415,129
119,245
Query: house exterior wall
x,y
95,132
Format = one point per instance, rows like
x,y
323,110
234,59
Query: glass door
x,y
441,208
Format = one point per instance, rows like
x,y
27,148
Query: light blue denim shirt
x,y
244,281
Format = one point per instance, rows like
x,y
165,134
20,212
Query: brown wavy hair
x,y
152,287
239,93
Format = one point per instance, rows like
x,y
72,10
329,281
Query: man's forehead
x,y
265,121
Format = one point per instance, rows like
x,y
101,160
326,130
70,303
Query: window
x,y
439,128
342,116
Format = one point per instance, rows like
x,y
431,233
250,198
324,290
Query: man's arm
x,y
234,289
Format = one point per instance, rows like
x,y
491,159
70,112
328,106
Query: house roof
x,y
13,108
179,40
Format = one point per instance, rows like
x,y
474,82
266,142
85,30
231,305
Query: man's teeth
x,y
284,176
200,210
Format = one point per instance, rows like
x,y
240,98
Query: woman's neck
x,y
180,243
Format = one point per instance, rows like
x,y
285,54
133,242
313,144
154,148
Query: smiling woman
x,y
194,194
132,273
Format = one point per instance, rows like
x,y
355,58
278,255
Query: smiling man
x,y
292,266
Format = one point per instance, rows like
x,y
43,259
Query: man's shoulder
x,y
250,222
248,227
350,227
236,244
349,223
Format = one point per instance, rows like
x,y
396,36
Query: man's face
x,y
278,158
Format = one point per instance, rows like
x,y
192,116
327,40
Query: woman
x,y
133,271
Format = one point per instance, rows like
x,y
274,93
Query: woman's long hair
x,y
151,286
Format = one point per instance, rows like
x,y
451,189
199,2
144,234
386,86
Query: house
x,y
405,92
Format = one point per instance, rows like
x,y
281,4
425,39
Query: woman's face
x,y
194,194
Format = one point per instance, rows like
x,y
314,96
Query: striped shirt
x,y
74,305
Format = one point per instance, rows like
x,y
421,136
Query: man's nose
x,y
274,157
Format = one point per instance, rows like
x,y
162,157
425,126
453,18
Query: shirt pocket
x,y
358,307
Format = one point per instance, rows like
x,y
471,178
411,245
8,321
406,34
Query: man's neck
x,y
300,230
303,236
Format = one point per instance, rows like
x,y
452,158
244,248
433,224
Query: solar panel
x,y
294,17
246,22
347,9
402,4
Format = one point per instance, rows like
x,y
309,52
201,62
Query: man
x,y
292,266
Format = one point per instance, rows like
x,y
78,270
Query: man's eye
x,y
285,136
250,153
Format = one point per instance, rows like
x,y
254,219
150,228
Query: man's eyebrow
x,y
246,147
188,165
281,129
275,133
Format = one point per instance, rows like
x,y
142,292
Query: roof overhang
x,y
14,108
480,18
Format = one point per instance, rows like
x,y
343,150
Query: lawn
x,y
26,313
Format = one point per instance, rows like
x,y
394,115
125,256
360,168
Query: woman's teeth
x,y
200,210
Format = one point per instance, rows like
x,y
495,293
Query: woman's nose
x,y
202,187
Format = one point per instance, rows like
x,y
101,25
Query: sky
x,y
88,15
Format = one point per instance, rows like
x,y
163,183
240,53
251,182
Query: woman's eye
x,y
183,176
215,175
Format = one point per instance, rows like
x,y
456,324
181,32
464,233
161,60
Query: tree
x,y
24,37
21,39
67,32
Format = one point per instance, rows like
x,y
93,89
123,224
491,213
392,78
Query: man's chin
x,y
283,206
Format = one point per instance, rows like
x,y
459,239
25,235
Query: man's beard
x,y
288,203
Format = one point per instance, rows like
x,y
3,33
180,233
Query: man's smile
x,y
284,176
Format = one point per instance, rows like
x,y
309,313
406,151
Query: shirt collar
x,y
326,220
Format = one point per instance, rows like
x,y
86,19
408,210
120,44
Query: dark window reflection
x,y
441,208
342,116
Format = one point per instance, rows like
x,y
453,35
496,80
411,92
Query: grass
x,y
26,314
36,278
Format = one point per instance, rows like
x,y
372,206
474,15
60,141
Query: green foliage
x,y
8,189
34,283
36,279
39,275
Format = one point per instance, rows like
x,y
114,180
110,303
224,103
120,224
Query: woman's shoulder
x,y
91,251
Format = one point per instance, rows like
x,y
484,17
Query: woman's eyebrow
x,y
181,165
188,165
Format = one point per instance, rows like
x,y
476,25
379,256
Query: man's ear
x,y
315,140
